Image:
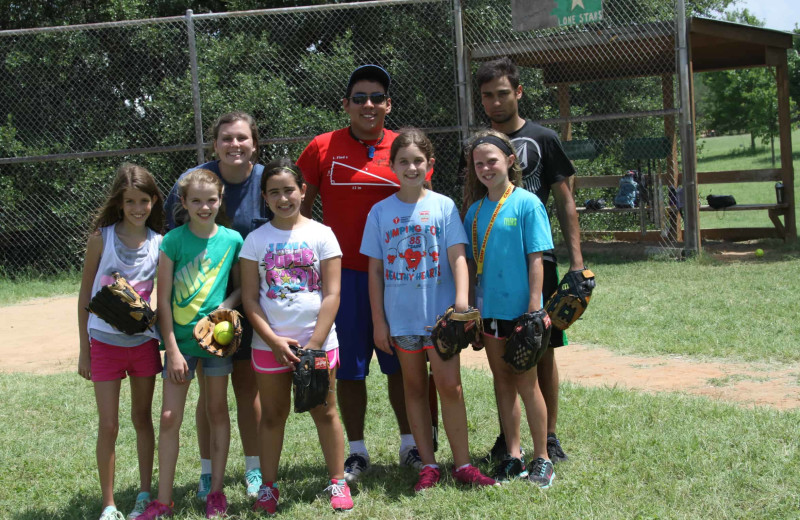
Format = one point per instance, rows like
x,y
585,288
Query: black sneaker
x,y
510,468
498,452
554,450
542,473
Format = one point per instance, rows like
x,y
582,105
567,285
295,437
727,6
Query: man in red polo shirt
x,y
349,169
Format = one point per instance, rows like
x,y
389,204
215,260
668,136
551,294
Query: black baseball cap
x,y
369,72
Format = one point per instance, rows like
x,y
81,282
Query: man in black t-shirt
x,y
545,169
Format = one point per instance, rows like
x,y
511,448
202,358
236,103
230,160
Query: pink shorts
x,y
264,362
110,362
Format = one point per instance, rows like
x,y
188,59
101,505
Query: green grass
x,y
698,308
633,456
26,287
734,153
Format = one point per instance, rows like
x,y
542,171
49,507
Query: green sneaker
x,y
142,499
204,486
253,480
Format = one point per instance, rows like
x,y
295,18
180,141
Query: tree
x,y
744,100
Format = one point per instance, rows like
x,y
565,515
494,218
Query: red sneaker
x,y
340,495
267,498
216,505
473,476
428,478
156,510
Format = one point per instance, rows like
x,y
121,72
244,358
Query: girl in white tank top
x,y
125,237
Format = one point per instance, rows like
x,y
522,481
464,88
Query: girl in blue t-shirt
x,y
417,269
508,229
196,260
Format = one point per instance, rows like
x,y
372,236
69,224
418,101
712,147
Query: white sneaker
x,y
356,465
410,457
111,513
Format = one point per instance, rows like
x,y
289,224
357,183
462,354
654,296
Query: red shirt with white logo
x,y
349,183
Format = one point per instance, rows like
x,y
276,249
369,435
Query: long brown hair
x,y
473,188
130,176
200,176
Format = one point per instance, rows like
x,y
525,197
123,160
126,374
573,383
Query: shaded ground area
x,y
42,338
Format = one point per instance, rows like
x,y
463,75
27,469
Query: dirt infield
x,y
43,339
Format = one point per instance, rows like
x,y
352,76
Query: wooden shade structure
x,y
649,49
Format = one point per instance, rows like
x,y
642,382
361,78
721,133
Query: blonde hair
x,y
473,188
200,176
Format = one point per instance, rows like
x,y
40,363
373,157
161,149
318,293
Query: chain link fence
x,y
82,99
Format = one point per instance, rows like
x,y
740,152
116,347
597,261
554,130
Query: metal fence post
x,y
198,116
462,71
691,237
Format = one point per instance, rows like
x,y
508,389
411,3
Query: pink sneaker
x,y
216,505
156,510
428,478
473,476
267,500
340,495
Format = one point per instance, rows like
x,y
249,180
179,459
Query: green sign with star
x,y
574,12
528,15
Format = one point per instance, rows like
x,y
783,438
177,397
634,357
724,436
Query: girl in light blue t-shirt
x,y
508,229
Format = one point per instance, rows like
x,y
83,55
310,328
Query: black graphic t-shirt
x,y
542,158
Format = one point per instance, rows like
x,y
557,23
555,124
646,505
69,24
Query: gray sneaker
x,y
356,465
542,473
410,458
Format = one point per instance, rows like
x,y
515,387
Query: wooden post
x,y
566,127
564,110
785,130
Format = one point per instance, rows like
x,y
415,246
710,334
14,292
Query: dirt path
x,y
43,339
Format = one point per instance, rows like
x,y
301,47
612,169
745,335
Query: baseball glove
x,y
571,298
528,341
119,305
455,330
204,332
310,379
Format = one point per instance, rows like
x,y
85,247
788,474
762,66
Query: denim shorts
x,y
212,366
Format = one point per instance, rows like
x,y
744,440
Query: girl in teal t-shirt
x,y
196,260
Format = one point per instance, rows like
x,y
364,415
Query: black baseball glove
x,y
310,379
119,305
571,298
528,341
454,331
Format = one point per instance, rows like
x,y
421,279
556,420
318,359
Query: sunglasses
x,y
376,98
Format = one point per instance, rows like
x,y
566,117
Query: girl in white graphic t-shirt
x,y
291,277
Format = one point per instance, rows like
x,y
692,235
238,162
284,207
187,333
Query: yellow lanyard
x,y
479,257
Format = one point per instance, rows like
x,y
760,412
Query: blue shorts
x,y
354,329
212,366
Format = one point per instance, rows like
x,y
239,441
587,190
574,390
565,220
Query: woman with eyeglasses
x,y
235,143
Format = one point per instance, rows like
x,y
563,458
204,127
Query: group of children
x,y
422,260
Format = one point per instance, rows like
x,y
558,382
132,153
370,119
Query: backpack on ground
x,y
628,191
